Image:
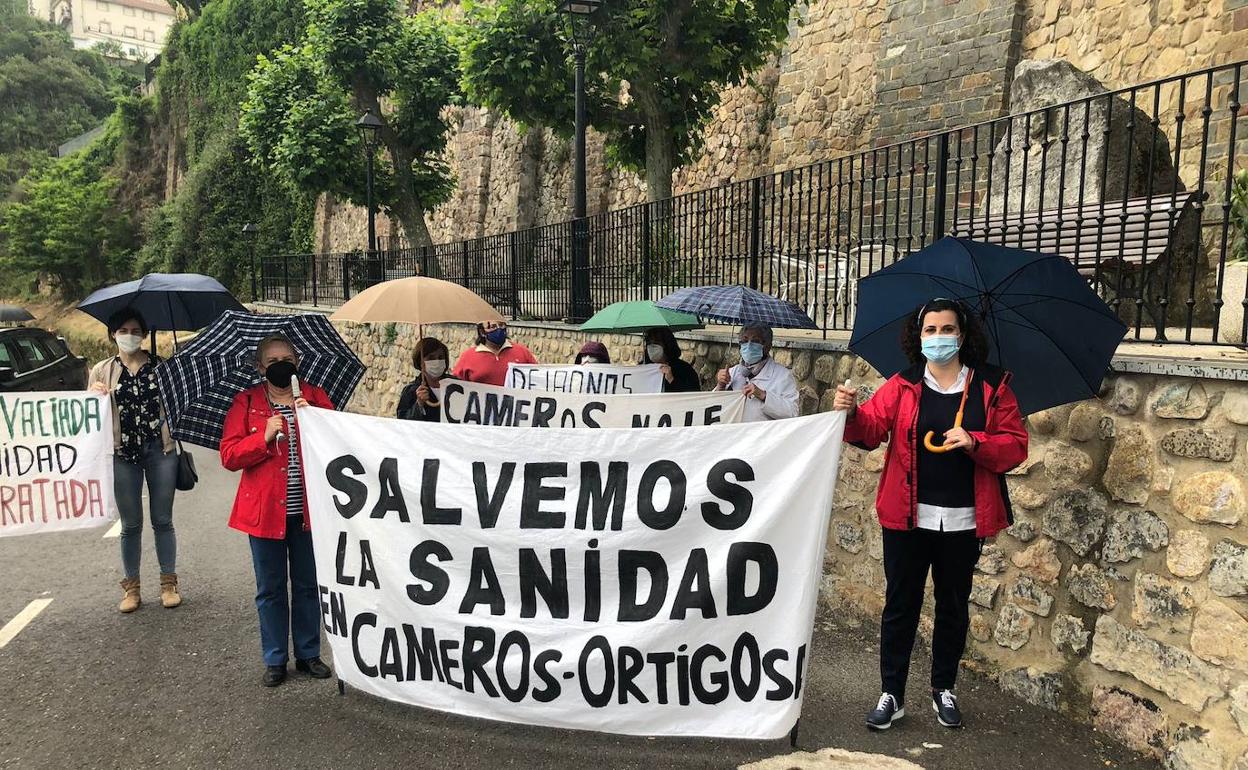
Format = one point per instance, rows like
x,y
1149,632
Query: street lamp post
x,y
250,231
370,127
580,13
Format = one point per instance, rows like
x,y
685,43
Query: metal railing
x,y
1135,187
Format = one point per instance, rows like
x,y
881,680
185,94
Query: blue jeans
x,y
161,472
298,619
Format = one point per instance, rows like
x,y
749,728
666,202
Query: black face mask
x,y
280,372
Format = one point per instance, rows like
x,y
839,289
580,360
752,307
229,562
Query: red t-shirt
x,y
480,364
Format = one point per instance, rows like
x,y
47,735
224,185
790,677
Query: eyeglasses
x,y
490,326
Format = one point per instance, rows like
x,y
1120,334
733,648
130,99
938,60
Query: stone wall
x,y
852,75
1121,591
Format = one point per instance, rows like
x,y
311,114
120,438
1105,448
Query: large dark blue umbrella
x,y
200,382
168,301
1044,323
737,305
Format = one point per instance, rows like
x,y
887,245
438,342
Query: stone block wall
x,y
945,63
852,75
1120,594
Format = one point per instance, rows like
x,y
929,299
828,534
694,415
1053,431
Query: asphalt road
x,y
84,686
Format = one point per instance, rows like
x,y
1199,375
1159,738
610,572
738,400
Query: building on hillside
x,y
138,27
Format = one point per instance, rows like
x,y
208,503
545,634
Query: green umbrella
x,y
637,316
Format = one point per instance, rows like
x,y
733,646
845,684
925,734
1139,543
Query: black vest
x,y
947,479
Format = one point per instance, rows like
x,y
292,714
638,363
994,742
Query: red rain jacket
x,y
260,506
893,413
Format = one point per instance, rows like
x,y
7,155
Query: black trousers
x,y
908,555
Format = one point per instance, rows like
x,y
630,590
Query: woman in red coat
x,y
936,508
261,439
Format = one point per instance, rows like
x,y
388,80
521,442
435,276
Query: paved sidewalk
x,y
87,687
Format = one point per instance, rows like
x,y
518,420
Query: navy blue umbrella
x,y
737,305
168,301
1044,323
198,385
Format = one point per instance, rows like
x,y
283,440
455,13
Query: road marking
x,y
115,530
21,620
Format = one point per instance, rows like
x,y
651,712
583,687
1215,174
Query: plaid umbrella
x,y
737,305
200,382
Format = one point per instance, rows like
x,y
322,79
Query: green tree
x,y
50,92
654,70
67,225
303,101
202,80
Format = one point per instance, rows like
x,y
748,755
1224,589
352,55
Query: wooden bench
x,y
1124,246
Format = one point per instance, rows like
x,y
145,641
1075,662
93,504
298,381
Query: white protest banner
x,y
473,403
56,462
603,379
611,580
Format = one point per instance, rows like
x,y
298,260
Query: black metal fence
x,y
1144,190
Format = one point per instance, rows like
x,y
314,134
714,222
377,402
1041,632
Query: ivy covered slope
x,y
51,93
169,185
217,188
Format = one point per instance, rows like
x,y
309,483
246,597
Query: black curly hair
x,y
974,350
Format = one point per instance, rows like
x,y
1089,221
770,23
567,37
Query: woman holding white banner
x,y
418,400
679,376
937,503
261,439
769,388
144,450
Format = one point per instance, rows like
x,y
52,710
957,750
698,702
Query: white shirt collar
x,y
957,386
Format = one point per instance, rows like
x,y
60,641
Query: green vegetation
x,y
254,116
1239,217
67,222
50,92
201,82
674,55
304,99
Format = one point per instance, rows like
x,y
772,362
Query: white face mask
x,y
654,353
588,360
128,343
435,367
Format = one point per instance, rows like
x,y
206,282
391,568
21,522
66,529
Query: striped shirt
x,y
294,469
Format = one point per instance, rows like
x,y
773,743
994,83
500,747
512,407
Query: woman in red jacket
x,y
936,506
261,439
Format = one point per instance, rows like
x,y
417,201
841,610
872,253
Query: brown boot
x,y
169,595
130,601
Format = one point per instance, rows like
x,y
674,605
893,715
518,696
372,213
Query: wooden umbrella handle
x,y
957,422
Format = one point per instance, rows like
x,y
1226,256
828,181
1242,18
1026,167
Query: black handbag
x,y
187,477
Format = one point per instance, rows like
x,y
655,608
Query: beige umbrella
x,y
419,301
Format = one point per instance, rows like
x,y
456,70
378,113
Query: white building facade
x,y
138,26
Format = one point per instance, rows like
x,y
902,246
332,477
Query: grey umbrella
x,y
13,314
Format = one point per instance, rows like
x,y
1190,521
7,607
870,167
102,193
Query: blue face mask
x,y
940,349
497,337
751,353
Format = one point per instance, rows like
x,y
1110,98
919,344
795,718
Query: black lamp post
x,y
580,13
370,127
250,231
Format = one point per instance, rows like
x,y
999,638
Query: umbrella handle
x,y
425,379
957,423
